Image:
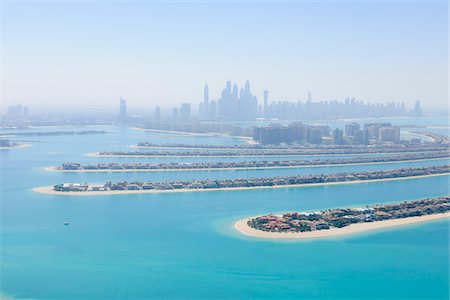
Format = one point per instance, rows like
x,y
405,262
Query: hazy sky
x,y
70,54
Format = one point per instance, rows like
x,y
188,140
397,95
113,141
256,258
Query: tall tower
x,y
266,103
206,102
122,107
247,86
157,113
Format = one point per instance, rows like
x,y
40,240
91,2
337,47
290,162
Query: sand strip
x,y
15,147
243,228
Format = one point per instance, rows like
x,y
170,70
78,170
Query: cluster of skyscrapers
x,y
321,134
241,104
233,104
17,111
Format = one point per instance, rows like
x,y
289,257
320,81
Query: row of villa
x,y
438,140
256,182
276,152
252,164
338,218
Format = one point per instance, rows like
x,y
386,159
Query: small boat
x,y
66,223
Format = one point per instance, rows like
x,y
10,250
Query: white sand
x,y
17,146
242,227
49,189
213,134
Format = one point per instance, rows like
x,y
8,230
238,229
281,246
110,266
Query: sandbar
x,y
187,133
49,189
17,146
243,228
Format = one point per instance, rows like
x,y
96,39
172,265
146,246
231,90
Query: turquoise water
x,y
184,246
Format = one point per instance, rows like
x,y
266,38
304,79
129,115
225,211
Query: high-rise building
x,y
361,137
212,110
185,111
205,110
4,143
266,103
123,108
175,114
350,129
17,111
157,113
417,110
201,110
390,134
313,135
235,104
338,137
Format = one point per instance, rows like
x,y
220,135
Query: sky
x,y
71,55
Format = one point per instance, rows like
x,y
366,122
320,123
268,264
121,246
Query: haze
x,y
78,55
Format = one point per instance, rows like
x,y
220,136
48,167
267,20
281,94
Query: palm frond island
x,y
341,221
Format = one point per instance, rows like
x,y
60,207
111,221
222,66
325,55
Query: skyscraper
x,y
185,111
122,107
235,104
157,113
266,103
175,113
338,137
205,111
417,111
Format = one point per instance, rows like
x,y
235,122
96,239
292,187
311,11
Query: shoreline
x,y
49,189
242,227
210,134
18,146
54,169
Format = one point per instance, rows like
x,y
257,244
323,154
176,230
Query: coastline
x,y
49,189
16,147
54,169
211,134
243,228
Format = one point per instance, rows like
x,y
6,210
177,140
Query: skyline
x,y
165,52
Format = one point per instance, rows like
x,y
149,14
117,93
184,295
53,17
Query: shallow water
x,y
183,245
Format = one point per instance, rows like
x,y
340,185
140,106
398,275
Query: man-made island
x,y
437,141
344,220
52,133
242,183
236,165
6,144
273,152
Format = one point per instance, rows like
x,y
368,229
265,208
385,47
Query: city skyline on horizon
x,y
261,104
334,49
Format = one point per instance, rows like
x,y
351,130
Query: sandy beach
x,y
186,133
49,189
55,169
243,228
15,147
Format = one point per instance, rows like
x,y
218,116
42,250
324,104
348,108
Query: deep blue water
x,y
183,245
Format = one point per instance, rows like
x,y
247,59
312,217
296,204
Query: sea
x,y
184,246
